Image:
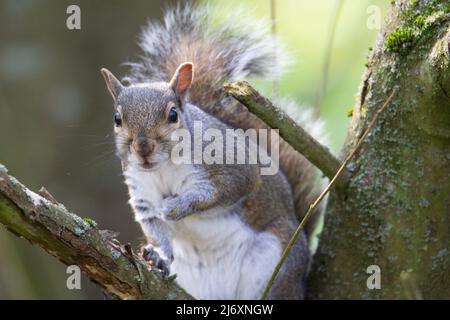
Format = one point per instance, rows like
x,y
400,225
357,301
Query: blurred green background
x,y
56,117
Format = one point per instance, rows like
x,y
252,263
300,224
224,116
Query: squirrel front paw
x,y
171,209
156,258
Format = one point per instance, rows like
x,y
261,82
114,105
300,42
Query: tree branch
x,y
76,241
290,131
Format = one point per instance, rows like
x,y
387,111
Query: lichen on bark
x,y
394,212
76,241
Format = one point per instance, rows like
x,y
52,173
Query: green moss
x,y
400,39
90,222
417,18
419,22
350,113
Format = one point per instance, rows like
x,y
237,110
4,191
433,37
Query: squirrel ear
x,y
114,86
182,79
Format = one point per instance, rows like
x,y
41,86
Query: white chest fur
x,y
216,255
219,257
154,186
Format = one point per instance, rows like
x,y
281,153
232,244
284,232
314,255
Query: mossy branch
x,y
76,241
290,131
394,211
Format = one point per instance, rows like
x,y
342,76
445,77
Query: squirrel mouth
x,y
147,165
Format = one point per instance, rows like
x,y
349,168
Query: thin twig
x,y
313,206
326,63
273,17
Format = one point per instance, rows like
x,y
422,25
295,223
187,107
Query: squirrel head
x,y
146,115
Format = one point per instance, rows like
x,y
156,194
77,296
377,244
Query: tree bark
x,y
76,241
394,212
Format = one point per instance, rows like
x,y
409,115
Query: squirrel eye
x,y
117,119
173,115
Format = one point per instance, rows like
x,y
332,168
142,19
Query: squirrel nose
x,y
143,146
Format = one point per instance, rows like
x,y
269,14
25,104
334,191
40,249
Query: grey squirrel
x,y
221,228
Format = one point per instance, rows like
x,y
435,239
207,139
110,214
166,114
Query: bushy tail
x,y
221,52
227,51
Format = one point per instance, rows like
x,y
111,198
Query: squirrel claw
x,y
155,259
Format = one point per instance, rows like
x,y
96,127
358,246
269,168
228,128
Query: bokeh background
x,y
56,116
